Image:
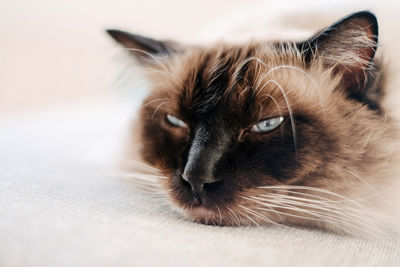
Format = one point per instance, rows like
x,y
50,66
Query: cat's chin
x,y
208,216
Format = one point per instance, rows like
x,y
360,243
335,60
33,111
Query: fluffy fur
x,y
331,164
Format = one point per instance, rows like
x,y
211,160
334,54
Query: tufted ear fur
x,y
143,48
349,47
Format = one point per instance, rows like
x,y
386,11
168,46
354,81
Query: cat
x,y
261,132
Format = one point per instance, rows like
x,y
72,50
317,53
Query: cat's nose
x,y
197,185
206,150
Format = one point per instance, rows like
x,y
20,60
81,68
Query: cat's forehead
x,y
240,80
239,75
217,81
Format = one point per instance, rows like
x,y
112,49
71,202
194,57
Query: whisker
x,y
257,214
258,60
248,217
326,200
277,204
220,215
146,185
240,66
291,191
140,175
271,209
345,200
330,207
234,215
351,228
345,217
300,187
275,102
290,112
316,87
131,161
341,210
359,178
320,217
155,111
356,209
150,102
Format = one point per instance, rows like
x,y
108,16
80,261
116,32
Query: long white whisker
x,y
290,112
271,209
337,203
234,215
150,102
292,188
320,205
316,87
275,102
248,217
241,65
317,216
332,213
146,185
268,203
291,191
258,215
300,187
131,161
362,180
155,111
140,175
304,73
340,210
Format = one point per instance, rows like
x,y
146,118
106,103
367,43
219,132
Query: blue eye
x,y
175,121
267,125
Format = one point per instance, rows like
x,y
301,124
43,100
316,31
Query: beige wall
x,y
54,52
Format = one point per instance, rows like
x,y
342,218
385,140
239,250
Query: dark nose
x,y
197,185
205,151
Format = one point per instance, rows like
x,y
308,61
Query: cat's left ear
x,y
348,46
145,49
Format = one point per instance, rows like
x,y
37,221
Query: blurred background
x,y
54,53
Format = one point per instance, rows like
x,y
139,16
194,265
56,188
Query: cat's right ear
x,y
145,49
349,47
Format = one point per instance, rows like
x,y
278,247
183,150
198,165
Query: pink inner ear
x,y
354,76
367,53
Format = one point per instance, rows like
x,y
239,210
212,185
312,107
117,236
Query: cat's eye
x,y
267,125
175,121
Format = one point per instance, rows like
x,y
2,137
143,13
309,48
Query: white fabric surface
x,y
61,206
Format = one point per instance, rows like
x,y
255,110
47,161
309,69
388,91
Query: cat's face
x,y
234,127
225,125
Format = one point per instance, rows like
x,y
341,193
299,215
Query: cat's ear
x,y
143,48
348,46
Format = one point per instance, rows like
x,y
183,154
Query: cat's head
x,y
235,127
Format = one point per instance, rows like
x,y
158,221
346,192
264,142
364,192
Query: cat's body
x,y
272,132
